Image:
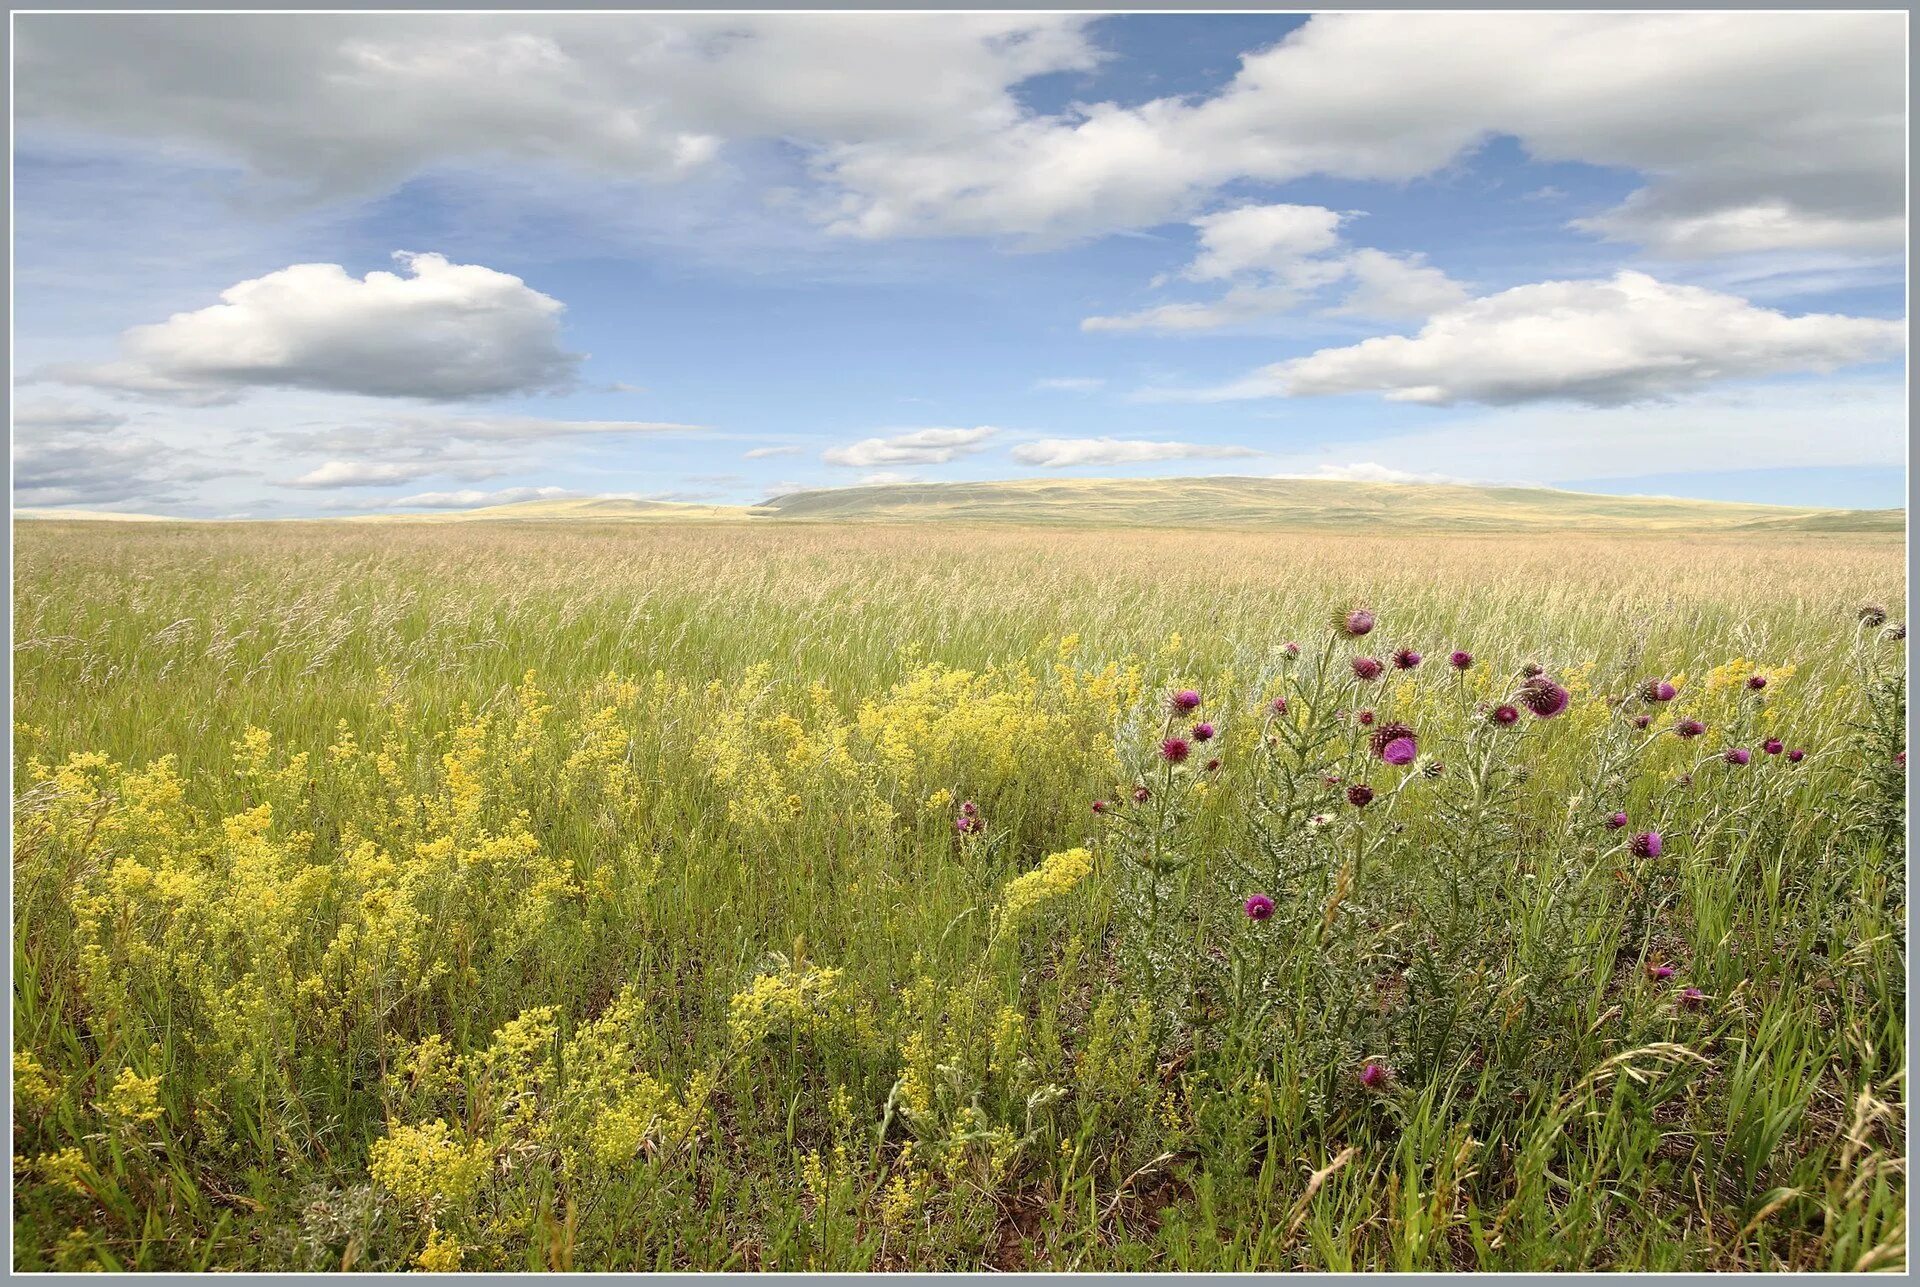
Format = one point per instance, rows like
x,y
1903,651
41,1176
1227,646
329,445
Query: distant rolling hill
x,y
1175,502
1294,502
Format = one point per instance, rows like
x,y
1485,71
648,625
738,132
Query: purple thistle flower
x,y
1213,766
1174,750
1641,721
1528,669
1692,999
1773,746
1203,732
1736,755
1366,668
1616,820
1756,682
1400,750
1359,795
1796,755
1364,718
1872,616
1900,758
1141,795
967,825
1387,734
1291,649
1259,907
1099,806
1648,844
1279,706
1505,715
1543,697
1897,631
1657,690
1405,659
1688,728
1185,701
1358,622
1459,659
1659,973
1373,1076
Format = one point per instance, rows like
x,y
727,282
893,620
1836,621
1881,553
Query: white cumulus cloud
x,y
436,331
469,498
1277,257
1607,342
911,447
1061,453
358,473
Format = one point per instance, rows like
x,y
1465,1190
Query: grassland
x,y
687,895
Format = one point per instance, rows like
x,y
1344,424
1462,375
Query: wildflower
x,y
1213,766
1319,820
1756,682
429,1164
1688,728
1394,743
1543,697
1897,631
1872,616
1373,1076
1686,779
1141,795
1057,874
1357,622
1736,755
1291,649
1259,907
968,824
133,1100
1692,998
1405,659
1175,749
1432,768
1900,758
1366,668
1648,844
1531,669
1641,721
1796,755
1278,706
1658,690
1773,746
441,1255
1099,806
1505,715
1364,717
1359,795
1185,701
1616,820
1460,659
1659,973
1401,750
1203,732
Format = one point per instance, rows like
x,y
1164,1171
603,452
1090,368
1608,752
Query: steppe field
x,y
785,895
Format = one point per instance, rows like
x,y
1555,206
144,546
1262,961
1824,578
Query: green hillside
x,y
1292,502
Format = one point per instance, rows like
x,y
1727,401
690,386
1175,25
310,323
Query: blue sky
x,y
711,258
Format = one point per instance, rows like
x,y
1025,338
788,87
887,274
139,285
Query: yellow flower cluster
x,y
793,998
429,1165
1058,874
34,1089
440,1255
133,1100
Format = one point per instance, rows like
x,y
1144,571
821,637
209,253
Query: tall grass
x,y
576,897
